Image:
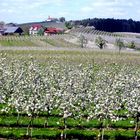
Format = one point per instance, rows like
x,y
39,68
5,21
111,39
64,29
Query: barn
x,y
12,31
1,31
52,30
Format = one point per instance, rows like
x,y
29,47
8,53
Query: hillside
x,y
26,26
110,24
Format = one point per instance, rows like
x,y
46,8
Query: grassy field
x,y
39,41
83,56
11,127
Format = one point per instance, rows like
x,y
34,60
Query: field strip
x,y
52,48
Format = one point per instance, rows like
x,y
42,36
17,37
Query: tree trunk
x,y
29,129
65,127
103,130
100,131
136,127
18,119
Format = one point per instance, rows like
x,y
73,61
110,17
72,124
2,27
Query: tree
x,y
2,23
83,41
132,45
62,19
25,29
68,25
120,44
100,42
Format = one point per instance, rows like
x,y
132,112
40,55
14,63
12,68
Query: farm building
x,y
50,19
52,30
13,31
36,29
1,31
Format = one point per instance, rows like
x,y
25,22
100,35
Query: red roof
x,y
36,26
52,30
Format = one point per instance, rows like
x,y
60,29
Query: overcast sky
x,y
20,11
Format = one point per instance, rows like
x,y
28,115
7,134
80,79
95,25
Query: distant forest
x,y
111,25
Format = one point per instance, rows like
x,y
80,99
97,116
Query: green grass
x,y
43,133
34,41
75,57
36,133
61,43
125,124
57,122
17,43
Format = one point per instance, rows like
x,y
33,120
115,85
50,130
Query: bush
x,y
100,42
120,44
83,41
131,45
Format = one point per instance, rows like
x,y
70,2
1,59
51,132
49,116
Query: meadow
x,y
69,93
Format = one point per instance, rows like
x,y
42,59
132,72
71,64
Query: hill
x,y
110,24
26,26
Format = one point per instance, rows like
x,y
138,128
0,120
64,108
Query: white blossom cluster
x,y
75,91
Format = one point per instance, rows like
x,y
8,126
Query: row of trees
x,y
102,43
74,91
110,24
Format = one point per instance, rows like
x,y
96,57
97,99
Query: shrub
x,y
83,41
120,44
100,42
131,45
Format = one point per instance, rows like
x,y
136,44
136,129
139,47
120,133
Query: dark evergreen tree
x,y
111,25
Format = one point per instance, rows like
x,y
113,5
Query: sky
x,y
22,11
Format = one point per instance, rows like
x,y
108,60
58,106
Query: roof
x,y
52,30
1,29
11,29
36,27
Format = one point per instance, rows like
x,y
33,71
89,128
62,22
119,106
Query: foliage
x,y
40,32
2,23
62,19
68,25
132,45
120,44
25,29
83,41
111,25
100,42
